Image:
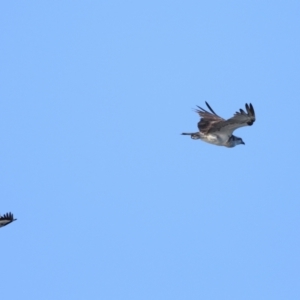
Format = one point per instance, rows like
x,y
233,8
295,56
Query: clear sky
x,y
111,201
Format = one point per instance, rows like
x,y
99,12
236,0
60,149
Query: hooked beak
x,y
243,143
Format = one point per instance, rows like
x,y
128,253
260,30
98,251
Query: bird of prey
x,y
6,219
215,130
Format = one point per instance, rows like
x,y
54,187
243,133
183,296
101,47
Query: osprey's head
x,y
239,141
236,141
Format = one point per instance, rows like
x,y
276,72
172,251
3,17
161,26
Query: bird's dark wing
x,y
240,119
6,219
208,119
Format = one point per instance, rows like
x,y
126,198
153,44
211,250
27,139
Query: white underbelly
x,y
219,140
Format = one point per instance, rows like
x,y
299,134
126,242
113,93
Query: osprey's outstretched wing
x,y
208,119
6,219
240,119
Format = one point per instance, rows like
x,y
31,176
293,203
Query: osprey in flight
x,y
215,130
6,219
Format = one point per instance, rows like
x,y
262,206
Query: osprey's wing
x,y
208,119
240,119
6,219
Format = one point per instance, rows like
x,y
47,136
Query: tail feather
x,y
194,135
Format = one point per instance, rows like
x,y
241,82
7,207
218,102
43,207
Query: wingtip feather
x,y
210,108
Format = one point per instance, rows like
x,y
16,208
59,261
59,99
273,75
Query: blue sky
x,y
112,202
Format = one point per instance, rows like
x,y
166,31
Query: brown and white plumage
x,y
6,219
218,131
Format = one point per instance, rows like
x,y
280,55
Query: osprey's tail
x,y
194,136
